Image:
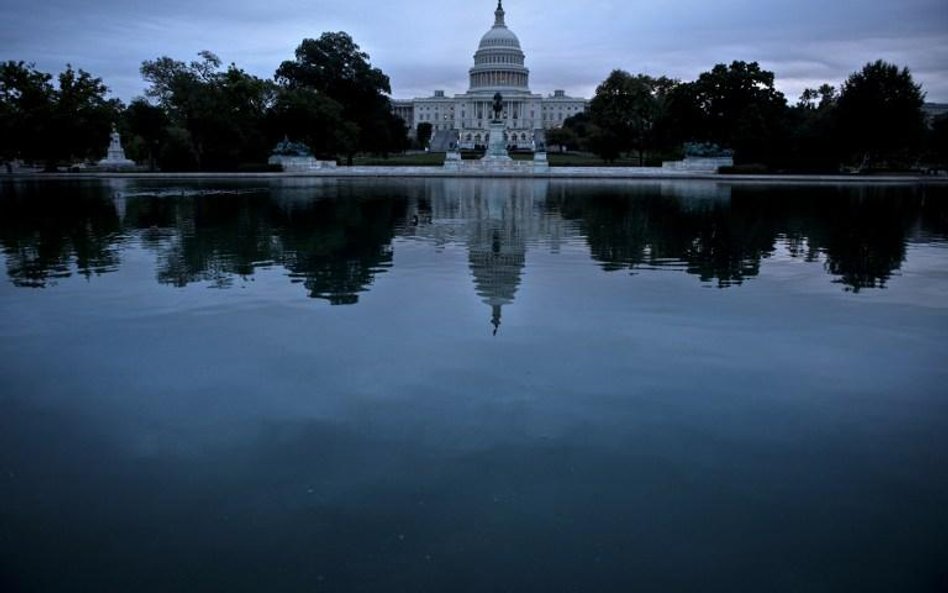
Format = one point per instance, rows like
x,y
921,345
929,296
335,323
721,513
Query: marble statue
x,y
115,157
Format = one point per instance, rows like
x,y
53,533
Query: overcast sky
x,y
429,45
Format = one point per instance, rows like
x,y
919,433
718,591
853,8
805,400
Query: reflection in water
x,y
50,231
496,219
334,246
860,232
334,237
630,432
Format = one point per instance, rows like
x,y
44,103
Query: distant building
x,y
498,68
934,111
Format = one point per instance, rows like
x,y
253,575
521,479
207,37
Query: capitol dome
x,y
499,34
498,63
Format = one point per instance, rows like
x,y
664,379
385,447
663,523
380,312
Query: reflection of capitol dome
x,y
497,220
497,268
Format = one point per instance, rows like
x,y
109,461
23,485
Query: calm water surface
x,y
472,385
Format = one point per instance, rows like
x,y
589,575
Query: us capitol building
x,y
498,68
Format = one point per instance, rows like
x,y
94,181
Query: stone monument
x,y
540,162
296,157
497,140
452,159
702,158
115,158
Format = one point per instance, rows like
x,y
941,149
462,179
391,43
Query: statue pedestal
x,y
299,164
698,164
497,144
452,161
115,157
540,163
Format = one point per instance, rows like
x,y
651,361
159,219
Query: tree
x,y
625,113
247,100
734,106
223,112
423,133
563,136
26,104
54,124
818,99
335,67
185,92
938,141
82,118
880,114
146,124
624,109
303,115
581,126
811,144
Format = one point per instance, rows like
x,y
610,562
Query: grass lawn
x,y
582,159
422,159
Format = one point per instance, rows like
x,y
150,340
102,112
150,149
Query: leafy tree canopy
x,y
26,103
304,115
423,132
625,111
734,106
880,112
821,98
223,112
53,123
335,67
145,124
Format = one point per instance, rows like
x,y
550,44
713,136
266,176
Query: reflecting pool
x,y
472,385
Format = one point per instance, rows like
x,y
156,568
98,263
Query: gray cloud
x,y
423,46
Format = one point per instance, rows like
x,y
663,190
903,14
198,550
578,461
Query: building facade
x,y
499,67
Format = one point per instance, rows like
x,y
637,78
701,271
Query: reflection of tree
x,y
646,228
860,232
46,229
333,237
214,237
337,246
333,246
934,211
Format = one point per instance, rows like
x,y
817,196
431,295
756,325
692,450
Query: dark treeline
x,y
202,116
874,120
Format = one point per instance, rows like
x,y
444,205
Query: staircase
x,y
441,140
